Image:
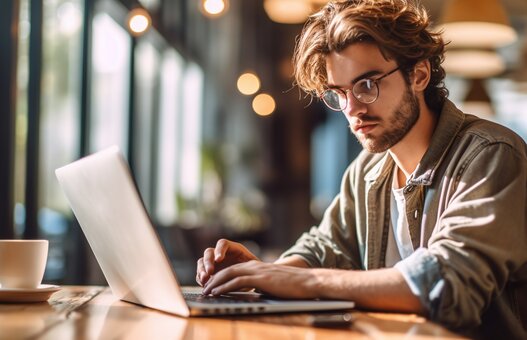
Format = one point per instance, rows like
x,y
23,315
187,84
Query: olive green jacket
x,y
466,209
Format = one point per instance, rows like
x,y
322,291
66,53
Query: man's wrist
x,y
328,283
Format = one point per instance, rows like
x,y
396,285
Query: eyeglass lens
x,y
365,91
336,99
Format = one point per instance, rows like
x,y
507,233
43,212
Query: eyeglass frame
x,y
346,91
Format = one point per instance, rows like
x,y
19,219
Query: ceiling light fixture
x,y
288,11
264,104
473,63
477,101
248,83
214,8
139,21
476,24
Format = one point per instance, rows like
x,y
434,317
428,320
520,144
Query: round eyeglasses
x,y
365,91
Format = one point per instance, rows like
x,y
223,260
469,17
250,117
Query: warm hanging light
x,y
214,8
263,104
288,11
477,101
138,21
476,24
473,63
248,83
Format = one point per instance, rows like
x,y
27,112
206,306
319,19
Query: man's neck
x,y
410,150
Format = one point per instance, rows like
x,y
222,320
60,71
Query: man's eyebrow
x,y
360,77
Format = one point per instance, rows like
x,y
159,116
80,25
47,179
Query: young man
x,y
431,216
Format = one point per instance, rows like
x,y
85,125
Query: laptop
x,y
103,196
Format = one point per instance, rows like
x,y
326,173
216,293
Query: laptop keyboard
x,y
221,299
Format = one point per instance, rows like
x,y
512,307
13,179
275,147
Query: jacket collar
x,y
448,126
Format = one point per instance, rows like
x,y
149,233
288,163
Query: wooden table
x,y
88,312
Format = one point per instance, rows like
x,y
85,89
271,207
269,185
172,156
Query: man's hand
x,y
225,254
381,289
274,279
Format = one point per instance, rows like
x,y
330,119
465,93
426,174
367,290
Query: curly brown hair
x,y
398,27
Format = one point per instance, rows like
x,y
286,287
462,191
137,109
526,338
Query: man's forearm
x,y
294,261
381,289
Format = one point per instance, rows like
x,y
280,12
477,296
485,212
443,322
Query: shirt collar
x,y
448,126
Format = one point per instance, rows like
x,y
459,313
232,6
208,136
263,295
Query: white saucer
x,y
39,294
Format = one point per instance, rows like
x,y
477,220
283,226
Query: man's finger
x,y
204,278
208,260
236,284
221,249
201,274
228,274
218,279
199,267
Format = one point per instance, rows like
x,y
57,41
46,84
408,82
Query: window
x,y
110,84
60,95
21,117
169,132
146,100
59,120
190,159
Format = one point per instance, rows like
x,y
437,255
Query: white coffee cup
x,y
22,263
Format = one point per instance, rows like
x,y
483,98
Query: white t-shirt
x,y
399,242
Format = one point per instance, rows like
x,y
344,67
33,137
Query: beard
x,y
403,119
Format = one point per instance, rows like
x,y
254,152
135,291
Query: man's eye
x,y
364,85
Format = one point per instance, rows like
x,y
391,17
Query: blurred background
x,y
199,96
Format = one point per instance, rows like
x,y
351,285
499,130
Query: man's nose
x,y
354,107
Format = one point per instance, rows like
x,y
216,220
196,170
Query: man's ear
x,y
421,75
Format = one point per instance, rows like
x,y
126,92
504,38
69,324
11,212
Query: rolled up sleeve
x,y
480,240
422,273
